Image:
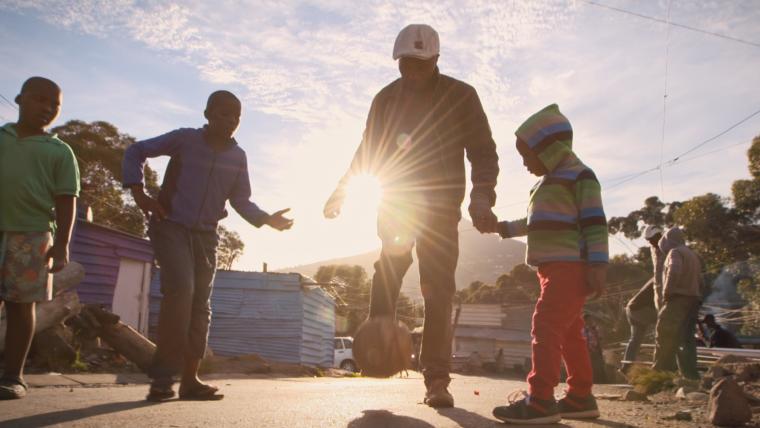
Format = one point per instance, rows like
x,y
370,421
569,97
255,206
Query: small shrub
x,y
648,381
78,364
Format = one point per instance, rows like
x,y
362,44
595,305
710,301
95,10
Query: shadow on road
x,y
63,416
384,418
466,419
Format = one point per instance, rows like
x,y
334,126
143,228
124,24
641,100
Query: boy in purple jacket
x,y
207,169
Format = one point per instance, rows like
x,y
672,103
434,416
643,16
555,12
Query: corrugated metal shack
x,y
487,328
274,315
117,270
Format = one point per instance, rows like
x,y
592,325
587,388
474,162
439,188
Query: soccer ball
x,y
382,347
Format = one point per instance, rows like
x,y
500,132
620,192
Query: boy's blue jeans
x,y
187,259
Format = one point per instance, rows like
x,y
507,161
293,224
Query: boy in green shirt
x,y
39,184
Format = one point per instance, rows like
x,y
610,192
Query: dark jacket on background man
x,y
658,259
722,338
682,269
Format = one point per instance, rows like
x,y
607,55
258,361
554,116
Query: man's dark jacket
x,y
455,124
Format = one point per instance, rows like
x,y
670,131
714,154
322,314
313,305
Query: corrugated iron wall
x,y
483,315
99,250
268,314
317,347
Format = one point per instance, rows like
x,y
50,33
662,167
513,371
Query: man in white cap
x,y
653,233
418,130
641,310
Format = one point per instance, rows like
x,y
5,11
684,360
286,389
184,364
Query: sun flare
x,y
363,194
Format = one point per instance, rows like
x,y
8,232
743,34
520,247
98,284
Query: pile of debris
x,y
729,390
70,336
75,337
734,385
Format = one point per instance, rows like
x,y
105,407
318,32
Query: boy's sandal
x,y
159,393
12,388
201,392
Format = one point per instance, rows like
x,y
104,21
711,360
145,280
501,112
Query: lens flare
x,y
363,195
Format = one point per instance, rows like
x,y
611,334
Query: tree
x,y
352,287
230,248
654,212
99,149
520,285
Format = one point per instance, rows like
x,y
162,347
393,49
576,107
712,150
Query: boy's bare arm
x,y
65,212
149,206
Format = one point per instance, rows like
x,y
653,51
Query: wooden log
x,y
52,348
122,338
69,277
50,313
128,342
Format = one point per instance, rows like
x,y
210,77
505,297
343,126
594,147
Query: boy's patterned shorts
x,y
24,275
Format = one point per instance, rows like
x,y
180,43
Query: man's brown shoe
x,y
438,395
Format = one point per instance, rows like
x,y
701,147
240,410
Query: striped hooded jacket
x,y
565,221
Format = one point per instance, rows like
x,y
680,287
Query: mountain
x,y
481,258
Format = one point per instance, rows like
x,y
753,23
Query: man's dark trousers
x,y
435,233
674,338
187,259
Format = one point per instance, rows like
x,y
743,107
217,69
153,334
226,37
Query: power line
x,y
624,179
719,149
8,102
665,101
716,136
674,24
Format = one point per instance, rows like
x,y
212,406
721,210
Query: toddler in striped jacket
x,y
567,243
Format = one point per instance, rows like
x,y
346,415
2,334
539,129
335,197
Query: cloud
x,y
294,64
312,67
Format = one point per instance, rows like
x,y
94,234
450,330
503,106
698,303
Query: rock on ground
x,y
728,406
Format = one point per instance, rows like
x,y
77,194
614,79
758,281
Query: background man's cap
x,y
417,41
651,230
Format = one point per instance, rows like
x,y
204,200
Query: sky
x,y
638,91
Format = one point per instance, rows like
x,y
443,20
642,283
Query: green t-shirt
x,y
33,171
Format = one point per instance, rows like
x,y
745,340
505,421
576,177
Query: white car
x,y
344,355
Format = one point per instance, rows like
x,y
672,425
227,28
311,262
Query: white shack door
x,y
130,298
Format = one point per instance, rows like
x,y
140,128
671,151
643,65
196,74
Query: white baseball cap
x,y
651,230
417,41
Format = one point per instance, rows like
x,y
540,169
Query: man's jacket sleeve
x,y
513,229
135,155
672,272
368,158
481,151
240,198
591,218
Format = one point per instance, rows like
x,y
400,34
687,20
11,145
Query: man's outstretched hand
x,y
334,204
278,221
597,280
